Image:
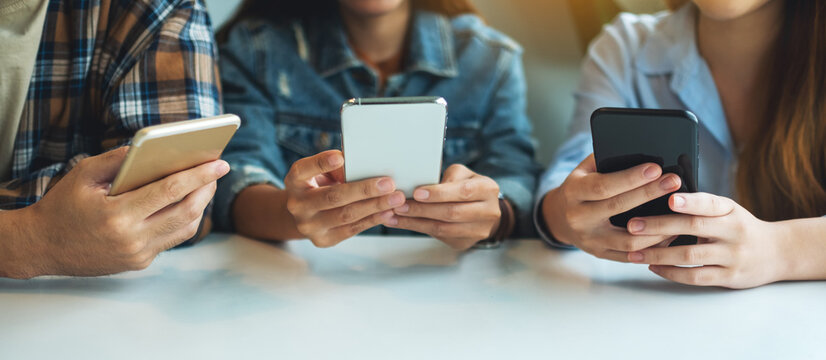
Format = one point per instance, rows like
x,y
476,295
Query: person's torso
x,y
311,71
667,72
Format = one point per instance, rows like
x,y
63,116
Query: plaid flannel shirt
x,y
105,69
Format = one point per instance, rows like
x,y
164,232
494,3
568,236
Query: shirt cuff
x,y
241,177
544,233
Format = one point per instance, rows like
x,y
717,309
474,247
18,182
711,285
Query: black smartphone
x,y
624,138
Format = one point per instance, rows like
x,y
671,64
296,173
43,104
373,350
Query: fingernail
x,y
651,172
421,194
222,168
403,209
679,201
396,200
669,183
385,185
636,226
335,160
636,257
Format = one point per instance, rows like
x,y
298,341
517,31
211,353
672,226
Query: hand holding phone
x,y
578,211
460,211
326,209
590,209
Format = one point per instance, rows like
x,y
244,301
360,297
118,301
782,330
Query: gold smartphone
x,y
162,150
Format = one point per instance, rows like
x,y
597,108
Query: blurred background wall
x,y
554,40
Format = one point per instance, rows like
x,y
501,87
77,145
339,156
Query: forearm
x,y
260,211
804,248
21,249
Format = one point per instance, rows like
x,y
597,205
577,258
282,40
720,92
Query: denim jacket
x,y
287,83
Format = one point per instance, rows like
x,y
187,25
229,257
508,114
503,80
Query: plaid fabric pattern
x,y
105,69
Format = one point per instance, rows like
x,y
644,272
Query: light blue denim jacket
x,y
287,83
648,61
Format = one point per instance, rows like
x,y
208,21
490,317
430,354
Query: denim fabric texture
x,y
288,81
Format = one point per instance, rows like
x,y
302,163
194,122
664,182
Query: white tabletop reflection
x,y
400,298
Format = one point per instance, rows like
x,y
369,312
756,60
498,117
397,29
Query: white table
x,y
401,298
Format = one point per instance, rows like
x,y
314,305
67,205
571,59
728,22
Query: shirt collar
x,y
672,49
430,49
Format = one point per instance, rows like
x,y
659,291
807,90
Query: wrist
x,y
260,211
552,216
800,251
21,251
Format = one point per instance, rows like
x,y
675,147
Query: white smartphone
x,y
402,138
162,150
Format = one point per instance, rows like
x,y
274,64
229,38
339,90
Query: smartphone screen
x,y
624,138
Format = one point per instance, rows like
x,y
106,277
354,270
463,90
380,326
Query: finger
x,y
710,227
357,211
442,230
104,167
304,170
174,224
596,186
630,200
457,172
151,198
477,211
701,204
706,254
613,255
336,196
711,275
473,189
341,233
620,240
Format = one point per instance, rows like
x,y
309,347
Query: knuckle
x,y
367,190
700,278
615,204
333,196
467,190
293,205
320,163
192,230
573,219
494,214
116,226
83,165
627,244
697,223
304,228
193,213
481,234
323,242
172,190
346,215
599,189
715,204
292,172
453,212
690,256
360,226
652,191
131,248
438,230
460,245
139,264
